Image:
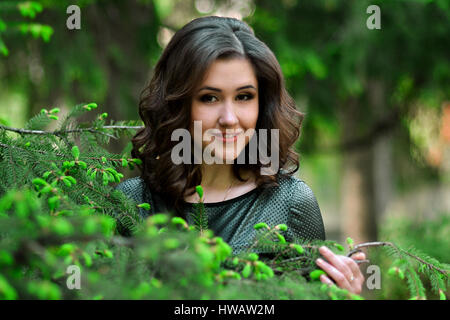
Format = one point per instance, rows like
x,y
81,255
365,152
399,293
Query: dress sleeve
x,y
134,188
131,188
304,220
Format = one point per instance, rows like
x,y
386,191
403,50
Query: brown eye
x,y
207,98
245,96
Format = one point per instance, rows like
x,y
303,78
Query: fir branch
x,y
57,154
390,244
283,252
19,148
62,132
261,238
415,284
199,216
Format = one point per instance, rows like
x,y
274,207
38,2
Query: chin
x,y
231,156
229,159
226,154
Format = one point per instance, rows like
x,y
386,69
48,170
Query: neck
x,y
217,176
219,182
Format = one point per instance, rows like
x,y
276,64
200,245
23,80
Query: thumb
x,y
359,256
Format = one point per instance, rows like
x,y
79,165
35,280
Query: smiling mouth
x,y
227,137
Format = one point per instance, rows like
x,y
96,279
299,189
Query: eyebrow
x,y
219,90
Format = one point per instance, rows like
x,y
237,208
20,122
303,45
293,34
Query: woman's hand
x,y
343,270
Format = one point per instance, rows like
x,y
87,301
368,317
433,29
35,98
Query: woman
x,y
217,79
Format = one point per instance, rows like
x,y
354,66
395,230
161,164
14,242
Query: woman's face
x,y
226,102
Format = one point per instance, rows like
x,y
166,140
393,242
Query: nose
x,y
228,116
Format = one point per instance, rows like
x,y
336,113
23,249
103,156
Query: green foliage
x,y
58,209
27,9
350,243
331,67
315,275
407,277
200,218
405,266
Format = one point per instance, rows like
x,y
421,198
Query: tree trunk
x,y
358,201
382,152
367,168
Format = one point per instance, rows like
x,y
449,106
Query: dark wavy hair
x,y
165,104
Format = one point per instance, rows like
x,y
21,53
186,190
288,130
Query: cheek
x,y
205,115
201,113
195,112
207,119
250,117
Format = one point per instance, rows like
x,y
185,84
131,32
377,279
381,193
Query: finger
x,y
325,279
335,274
357,274
336,261
358,277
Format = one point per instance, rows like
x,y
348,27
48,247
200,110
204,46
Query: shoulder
x,y
131,184
132,188
136,189
305,218
296,189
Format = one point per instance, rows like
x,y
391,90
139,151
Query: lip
x,y
232,138
227,140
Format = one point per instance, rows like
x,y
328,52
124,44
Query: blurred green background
x,y
375,144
